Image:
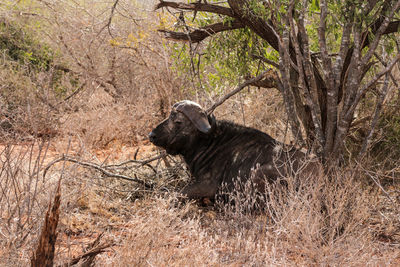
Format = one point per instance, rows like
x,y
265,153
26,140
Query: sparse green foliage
x,y
31,81
19,45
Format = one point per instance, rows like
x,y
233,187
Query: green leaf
x,y
315,5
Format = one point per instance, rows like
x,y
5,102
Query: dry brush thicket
x,y
116,82
102,82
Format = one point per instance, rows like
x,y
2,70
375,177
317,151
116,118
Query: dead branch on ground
x,y
103,169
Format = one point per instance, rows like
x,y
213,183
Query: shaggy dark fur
x,y
221,151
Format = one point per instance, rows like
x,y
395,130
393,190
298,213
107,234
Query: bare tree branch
x,y
385,65
394,26
266,60
266,75
197,7
326,60
348,113
140,162
352,85
327,72
261,27
334,94
287,90
199,35
75,92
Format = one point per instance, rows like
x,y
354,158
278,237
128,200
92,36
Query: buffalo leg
x,y
201,189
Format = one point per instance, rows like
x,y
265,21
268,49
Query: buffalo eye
x,y
175,118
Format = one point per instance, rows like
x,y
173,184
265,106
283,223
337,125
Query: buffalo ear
x,y
195,114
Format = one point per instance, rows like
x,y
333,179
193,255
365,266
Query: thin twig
x,y
237,90
380,187
377,183
75,92
266,60
140,162
109,20
385,65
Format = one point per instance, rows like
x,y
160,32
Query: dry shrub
x,y
123,67
28,98
25,194
321,217
116,79
106,125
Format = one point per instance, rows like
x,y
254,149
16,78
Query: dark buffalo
x,y
220,152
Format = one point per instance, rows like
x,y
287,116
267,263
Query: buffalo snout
x,y
152,136
159,135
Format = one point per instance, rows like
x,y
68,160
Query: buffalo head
x,y
186,123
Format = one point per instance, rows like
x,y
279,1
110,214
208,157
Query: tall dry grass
x,y
325,222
